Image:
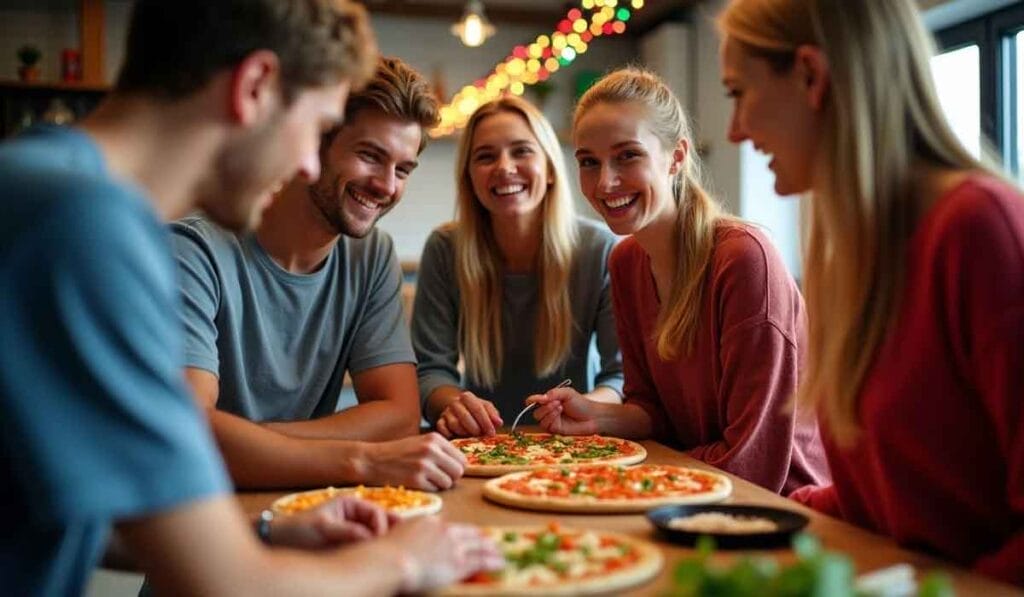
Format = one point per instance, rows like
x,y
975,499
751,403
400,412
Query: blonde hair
x,y
478,261
881,121
698,213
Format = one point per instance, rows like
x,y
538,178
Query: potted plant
x,y
29,55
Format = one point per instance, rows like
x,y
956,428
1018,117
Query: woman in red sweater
x,y
710,323
914,274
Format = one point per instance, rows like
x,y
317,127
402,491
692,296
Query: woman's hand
x,y
341,520
565,411
468,416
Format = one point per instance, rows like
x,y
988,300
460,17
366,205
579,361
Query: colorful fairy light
x,y
531,63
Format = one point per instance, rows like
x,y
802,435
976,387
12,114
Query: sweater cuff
x,y
822,499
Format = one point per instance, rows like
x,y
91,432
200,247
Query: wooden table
x,y
868,551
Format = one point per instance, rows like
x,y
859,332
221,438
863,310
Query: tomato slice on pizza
x,y
505,453
608,488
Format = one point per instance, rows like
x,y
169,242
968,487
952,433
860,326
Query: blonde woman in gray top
x,y
516,287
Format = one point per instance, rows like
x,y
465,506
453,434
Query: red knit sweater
x,y
727,403
939,464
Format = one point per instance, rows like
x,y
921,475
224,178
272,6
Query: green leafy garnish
x,y
816,573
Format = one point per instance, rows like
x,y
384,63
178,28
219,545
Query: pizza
x,y
505,453
406,503
608,488
555,560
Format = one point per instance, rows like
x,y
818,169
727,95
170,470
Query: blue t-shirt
x,y
281,342
96,424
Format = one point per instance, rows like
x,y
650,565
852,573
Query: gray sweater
x,y
594,357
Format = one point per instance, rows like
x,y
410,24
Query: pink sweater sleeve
x,y
759,367
822,499
638,387
761,321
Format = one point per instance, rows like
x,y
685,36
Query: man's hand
x,y
341,520
428,462
468,416
440,553
565,411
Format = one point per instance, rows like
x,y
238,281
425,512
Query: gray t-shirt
x,y
594,357
281,342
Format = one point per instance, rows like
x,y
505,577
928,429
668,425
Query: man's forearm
x,y
261,458
381,420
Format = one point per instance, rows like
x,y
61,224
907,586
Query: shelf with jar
x,y
33,99
23,104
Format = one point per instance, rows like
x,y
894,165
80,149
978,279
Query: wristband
x,y
263,526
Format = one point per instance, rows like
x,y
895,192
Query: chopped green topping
x,y
498,455
591,452
548,541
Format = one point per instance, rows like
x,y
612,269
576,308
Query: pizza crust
x,y
591,505
494,470
432,504
647,566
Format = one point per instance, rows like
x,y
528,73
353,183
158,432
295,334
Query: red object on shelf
x,y
71,65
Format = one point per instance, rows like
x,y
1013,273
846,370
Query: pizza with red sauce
x,y
608,488
554,560
506,453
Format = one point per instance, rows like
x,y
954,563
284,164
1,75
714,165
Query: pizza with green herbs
x,y
555,560
506,453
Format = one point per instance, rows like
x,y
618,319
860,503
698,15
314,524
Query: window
x,y
958,83
979,75
1015,151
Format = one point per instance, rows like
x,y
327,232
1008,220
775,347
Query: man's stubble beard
x,y
329,204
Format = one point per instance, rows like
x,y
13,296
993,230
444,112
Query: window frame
x,y
993,34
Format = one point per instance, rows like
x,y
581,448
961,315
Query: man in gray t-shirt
x,y
275,318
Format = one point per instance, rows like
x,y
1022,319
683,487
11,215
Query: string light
x,y
534,62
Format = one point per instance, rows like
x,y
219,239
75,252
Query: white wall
x,y
738,175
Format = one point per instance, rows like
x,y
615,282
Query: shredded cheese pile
x,y
717,522
390,498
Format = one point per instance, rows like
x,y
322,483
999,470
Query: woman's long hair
x,y
698,213
478,262
881,122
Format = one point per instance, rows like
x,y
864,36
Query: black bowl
x,y
788,523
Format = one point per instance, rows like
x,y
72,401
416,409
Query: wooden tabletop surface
x,y
464,503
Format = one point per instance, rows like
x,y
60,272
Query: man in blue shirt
x,y
219,103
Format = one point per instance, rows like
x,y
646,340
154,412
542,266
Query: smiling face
x,y
256,162
625,170
507,167
775,112
366,169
